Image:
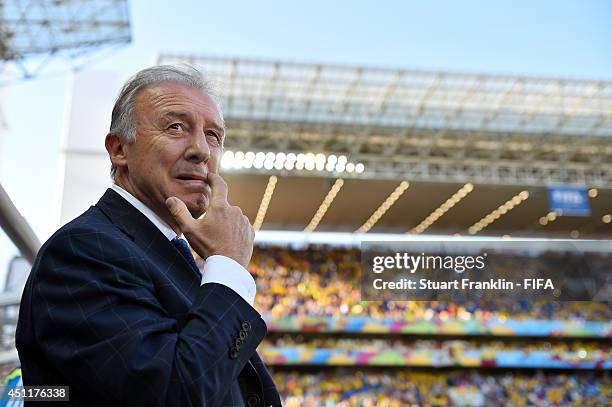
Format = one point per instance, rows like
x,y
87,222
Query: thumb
x,y
179,210
218,188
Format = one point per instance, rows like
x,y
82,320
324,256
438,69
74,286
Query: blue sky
x,y
551,38
536,38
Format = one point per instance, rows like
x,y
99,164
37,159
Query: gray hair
x,y
123,122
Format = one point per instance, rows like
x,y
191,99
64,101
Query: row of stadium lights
x,y
427,222
384,207
265,201
550,217
499,212
329,198
442,209
290,162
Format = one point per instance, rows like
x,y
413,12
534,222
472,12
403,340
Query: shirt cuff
x,y
223,270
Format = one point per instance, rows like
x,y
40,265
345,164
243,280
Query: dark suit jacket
x,y
114,311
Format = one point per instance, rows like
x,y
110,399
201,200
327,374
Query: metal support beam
x,y
17,228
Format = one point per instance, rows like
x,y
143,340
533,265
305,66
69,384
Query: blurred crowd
x,y
324,281
585,350
457,388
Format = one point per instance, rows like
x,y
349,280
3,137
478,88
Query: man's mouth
x,y
193,177
195,181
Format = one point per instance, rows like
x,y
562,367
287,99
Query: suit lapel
x,y
151,240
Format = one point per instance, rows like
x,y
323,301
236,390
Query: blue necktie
x,y
183,248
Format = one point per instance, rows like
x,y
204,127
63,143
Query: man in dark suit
x,y
115,307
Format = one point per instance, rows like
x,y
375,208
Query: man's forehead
x,y
169,98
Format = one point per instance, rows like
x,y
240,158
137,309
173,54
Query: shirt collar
x,y
147,212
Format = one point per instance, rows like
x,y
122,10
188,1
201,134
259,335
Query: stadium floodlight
x,y
34,32
265,163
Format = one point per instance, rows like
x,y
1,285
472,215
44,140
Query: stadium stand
x,y
324,281
473,388
329,348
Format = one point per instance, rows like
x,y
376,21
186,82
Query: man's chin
x,y
197,205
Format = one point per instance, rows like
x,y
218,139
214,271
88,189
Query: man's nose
x,y
198,149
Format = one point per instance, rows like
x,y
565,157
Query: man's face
x,y
179,141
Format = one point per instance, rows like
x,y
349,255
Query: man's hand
x,y
225,230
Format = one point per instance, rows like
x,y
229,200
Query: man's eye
x,y
213,135
175,126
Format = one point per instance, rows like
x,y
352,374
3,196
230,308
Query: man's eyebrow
x,y
184,116
176,114
217,127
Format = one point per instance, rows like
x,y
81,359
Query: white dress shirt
x,y
217,269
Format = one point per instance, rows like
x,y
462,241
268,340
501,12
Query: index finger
x,y
218,188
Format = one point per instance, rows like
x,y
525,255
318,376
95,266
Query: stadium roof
x,y
34,31
417,125
295,166
257,90
294,202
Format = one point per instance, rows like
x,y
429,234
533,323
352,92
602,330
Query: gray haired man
x,y
115,306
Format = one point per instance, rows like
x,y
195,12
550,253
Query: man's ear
x,y
116,150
